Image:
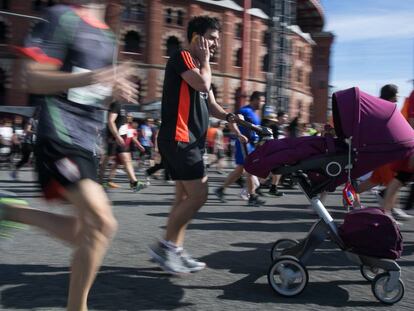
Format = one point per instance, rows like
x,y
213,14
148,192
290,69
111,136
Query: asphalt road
x,y
232,238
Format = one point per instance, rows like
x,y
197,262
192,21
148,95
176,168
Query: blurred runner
x,y
76,86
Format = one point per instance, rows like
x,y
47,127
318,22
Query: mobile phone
x,y
195,36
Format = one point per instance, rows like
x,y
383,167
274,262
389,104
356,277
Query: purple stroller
x,y
370,132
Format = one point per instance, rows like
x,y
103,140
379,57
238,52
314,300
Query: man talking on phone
x,y
186,103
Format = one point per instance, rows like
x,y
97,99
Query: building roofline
x,y
229,4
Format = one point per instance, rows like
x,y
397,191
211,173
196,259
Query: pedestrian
x,y
76,86
245,145
118,150
186,103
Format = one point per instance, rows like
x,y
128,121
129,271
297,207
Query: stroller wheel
x,y
369,273
279,246
287,276
386,295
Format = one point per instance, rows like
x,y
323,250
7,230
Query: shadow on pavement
x,y
253,287
116,288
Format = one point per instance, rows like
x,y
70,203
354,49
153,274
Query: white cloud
x,y
364,27
373,86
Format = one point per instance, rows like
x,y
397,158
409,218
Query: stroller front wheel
x,y
279,246
287,276
369,273
384,294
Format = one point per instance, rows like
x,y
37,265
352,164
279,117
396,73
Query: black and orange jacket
x,y
184,111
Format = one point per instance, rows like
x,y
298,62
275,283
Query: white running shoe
x,y
244,194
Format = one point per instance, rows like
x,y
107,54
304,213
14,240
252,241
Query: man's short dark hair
x,y
256,95
200,25
389,91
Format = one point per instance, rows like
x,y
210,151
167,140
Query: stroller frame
x,y
298,254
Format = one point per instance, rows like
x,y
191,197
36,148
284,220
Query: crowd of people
x,y
63,136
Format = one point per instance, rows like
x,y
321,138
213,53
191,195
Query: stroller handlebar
x,y
265,132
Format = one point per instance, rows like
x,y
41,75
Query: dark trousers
x,y
27,149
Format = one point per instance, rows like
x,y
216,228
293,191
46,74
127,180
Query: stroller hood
x,y
379,132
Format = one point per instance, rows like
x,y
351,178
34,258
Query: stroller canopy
x,y
373,123
379,132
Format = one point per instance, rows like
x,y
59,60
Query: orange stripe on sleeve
x,y
188,60
36,54
191,60
181,128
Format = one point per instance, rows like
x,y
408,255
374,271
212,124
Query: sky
x,y
374,44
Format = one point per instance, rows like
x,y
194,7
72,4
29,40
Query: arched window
x,y
265,63
299,77
238,58
168,16
266,38
3,33
132,42
180,18
239,31
173,44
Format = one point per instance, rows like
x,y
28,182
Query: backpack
x,y
370,232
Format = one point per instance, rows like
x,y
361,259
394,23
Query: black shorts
x,y
61,166
115,149
183,161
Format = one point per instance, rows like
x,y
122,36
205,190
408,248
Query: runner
x,y
121,154
118,151
76,85
247,138
186,103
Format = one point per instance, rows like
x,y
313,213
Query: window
x,y
168,16
300,52
299,76
133,10
173,44
266,38
238,58
132,42
265,63
3,33
180,18
239,31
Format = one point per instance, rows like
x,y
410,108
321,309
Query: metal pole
x,y
245,52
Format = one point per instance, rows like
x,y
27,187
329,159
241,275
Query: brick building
x,y
150,30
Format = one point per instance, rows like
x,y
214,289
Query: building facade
x,y
150,30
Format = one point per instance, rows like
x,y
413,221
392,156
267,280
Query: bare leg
x,y
251,188
391,194
233,176
97,226
63,227
196,195
102,168
112,173
127,162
